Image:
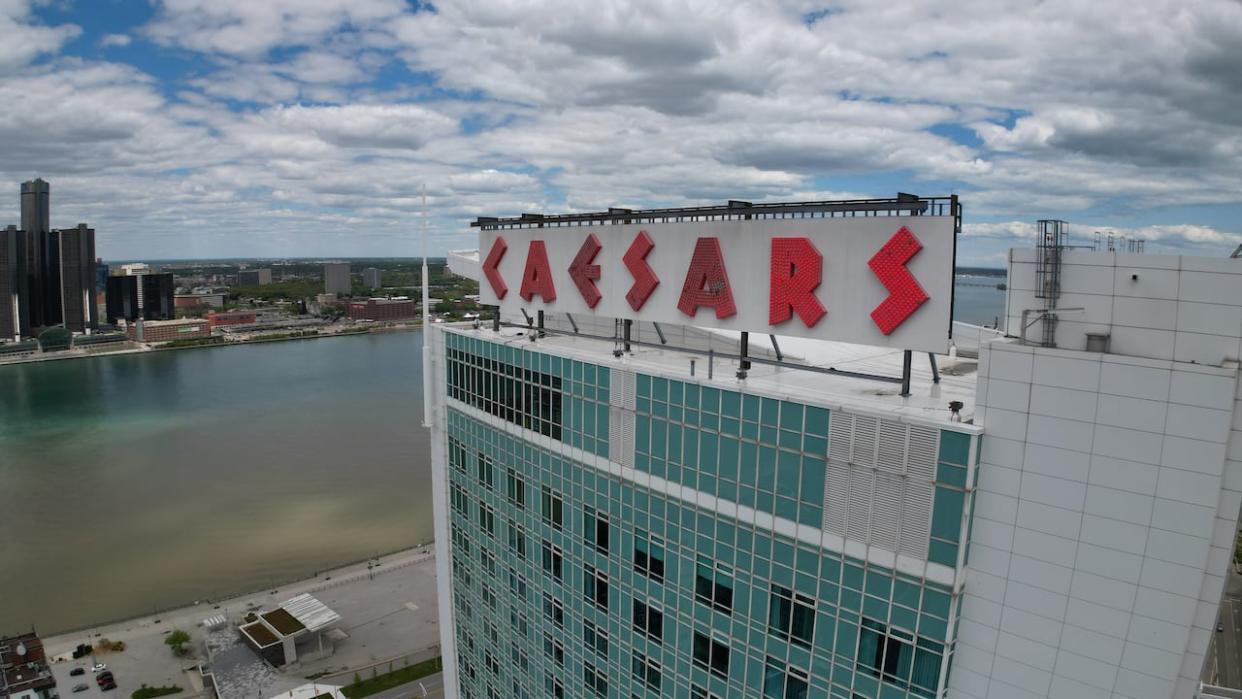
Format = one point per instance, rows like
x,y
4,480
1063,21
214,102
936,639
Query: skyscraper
x,y
75,250
146,296
372,278
619,521
36,223
693,553
336,278
14,322
53,278
673,513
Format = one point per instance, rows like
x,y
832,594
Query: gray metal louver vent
x,y
916,519
616,437
858,515
836,497
840,436
626,453
623,389
865,429
891,447
886,510
923,452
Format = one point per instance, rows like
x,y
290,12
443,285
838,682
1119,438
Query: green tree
x,y
177,640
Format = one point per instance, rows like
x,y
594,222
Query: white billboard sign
x,y
884,281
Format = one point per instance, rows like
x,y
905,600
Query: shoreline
x,y
64,356
62,642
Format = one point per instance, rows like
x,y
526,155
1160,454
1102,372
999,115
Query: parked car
x,y
105,676
99,667
77,671
107,686
80,687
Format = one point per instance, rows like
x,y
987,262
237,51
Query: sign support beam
x,y
907,358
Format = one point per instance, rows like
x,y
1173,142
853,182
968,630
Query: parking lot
x,y
387,610
145,660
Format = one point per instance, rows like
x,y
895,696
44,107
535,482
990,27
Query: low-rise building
x,y
168,330
212,300
24,672
254,277
275,635
397,308
217,318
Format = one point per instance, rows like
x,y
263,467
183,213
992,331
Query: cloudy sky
x,y
220,128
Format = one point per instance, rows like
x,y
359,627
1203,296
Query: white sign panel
x,y
884,281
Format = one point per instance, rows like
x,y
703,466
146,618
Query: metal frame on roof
x,y
312,613
901,205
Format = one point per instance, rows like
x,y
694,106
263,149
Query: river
x,y
134,483
138,482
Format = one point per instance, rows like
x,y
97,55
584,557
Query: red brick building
x,y
218,318
169,330
24,669
399,308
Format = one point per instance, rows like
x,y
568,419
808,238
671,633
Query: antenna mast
x,y
427,377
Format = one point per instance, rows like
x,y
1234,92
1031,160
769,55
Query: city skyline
x,y
226,130
47,275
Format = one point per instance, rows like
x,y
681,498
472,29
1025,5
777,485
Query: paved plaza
x,y
387,607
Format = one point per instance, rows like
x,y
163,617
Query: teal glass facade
x,y
573,578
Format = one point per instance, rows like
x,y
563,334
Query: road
x,y
431,686
1229,641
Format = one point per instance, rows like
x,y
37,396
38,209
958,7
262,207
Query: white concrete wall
x,y
1109,486
464,263
1158,306
440,511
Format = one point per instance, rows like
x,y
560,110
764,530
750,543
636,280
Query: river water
x,y
134,483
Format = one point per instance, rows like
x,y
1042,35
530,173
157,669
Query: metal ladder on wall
x,y
1050,244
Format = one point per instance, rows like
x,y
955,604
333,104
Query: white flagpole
x,y
427,378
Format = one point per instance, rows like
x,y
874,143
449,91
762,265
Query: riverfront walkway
x,y
388,611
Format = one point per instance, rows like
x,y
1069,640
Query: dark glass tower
x,y
36,223
154,303
14,322
75,248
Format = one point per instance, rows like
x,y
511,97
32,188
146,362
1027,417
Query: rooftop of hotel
x,y
928,401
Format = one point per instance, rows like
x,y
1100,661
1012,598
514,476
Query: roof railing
x,y
901,205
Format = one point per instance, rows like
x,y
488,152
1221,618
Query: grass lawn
x,y
392,679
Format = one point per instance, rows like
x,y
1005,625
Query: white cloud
x,y
1026,111
110,40
24,38
248,28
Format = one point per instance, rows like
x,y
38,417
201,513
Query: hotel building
x,y
638,509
